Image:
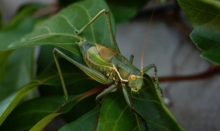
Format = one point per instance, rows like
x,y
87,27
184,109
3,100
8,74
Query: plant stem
x,y
208,73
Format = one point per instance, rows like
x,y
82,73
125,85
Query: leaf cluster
x,y
22,108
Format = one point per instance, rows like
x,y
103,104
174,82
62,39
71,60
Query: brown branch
x,y
208,73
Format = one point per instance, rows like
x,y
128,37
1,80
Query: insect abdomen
x,y
94,60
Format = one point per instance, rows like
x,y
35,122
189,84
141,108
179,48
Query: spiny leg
x,y
147,68
106,11
132,108
131,59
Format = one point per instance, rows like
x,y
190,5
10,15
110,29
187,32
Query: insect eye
x,y
133,77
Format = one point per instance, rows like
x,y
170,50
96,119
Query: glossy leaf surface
x,y
42,110
19,72
20,67
48,77
22,24
85,123
36,114
59,31
116,114
123,10
148,103
205,19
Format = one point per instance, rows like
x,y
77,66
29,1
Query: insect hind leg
x,y
61,75
147,68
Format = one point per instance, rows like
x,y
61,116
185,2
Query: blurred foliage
x,y
205,19
18,68
122,10
22,24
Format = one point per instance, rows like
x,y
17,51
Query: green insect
x,y
108,67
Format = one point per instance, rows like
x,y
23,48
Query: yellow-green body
x,y
111,64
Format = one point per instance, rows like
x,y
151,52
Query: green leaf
x,y
163,1
30,8
45,57
22,24
205,19
59,31
36,114
19,72
123,10
3,61
42,110
48,77
116,114
84,123
150,105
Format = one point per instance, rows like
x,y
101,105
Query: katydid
x,y
108,66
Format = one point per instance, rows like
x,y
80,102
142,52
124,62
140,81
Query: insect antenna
x,y
145,40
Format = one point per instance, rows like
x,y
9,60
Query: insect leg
x,y
61,76
132,108
90,72
106,11
147,68
106,91
131,59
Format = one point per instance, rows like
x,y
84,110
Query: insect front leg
x,y
147,68
111,79
106,11
127,98
106,91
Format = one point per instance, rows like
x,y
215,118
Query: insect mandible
x,y
108,67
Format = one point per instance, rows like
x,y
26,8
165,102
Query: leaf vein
x,y
147,100
64,17
197,9
120,117
92,30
